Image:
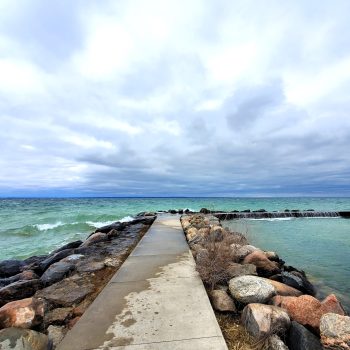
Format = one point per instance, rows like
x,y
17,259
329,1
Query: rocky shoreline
x,y
42,297
275,303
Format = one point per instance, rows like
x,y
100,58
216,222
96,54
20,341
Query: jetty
x,y
156,300
262,214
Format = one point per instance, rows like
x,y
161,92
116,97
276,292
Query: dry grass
x,y
213,264
237,338
236,238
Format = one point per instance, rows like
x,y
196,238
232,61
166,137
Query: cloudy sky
x,y
174,97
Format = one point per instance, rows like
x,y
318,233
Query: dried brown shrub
x,y
237,237
213,264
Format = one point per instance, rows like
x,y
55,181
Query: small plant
x,y
215,258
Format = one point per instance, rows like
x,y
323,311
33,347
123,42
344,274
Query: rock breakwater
x,y
276,303
42,297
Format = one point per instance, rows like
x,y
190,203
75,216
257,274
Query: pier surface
x,y
155,301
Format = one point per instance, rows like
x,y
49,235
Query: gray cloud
x,y
145,98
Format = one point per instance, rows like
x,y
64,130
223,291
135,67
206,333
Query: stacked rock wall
x,y
276,303
42,297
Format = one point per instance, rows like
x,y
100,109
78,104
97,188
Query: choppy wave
x,y
270,219
45,227
98,224
126,219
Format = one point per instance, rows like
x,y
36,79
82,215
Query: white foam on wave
x,y
126,219
45,227
98,224
271,219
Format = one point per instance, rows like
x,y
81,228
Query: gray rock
x,y
23,339
55,257
236,270
90,266
70,245
73,258
113,233
56,272
299,338
67,292
221,301
22,276
251,289
275,343
57,316
33,263
245,250
9,268
261,320
95,238
335,331
18,290
297,280
56,334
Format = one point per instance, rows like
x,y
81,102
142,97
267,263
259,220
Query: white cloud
x,y
20,78
198,97
87,141
304,87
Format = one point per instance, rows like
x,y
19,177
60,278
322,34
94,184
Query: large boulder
x,y
67,292
191,233
95,238
23,339
251,289
265,267
22,276
299,338
262,320
307,310
221,301
204,232
55,257
90,266
275,343
58,316
56,272
236,270
56,334
9,268
70,245
33,263
298,280
243,251
284,289
119,226
18,290
24,313
335,331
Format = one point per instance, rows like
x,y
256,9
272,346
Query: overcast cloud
x,y
174,97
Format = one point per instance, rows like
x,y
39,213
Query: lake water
x,y
320,246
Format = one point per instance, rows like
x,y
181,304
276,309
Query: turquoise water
x,y
320,246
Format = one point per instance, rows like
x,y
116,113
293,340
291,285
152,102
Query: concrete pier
x,y
155,301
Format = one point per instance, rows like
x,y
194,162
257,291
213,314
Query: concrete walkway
x,y
155,301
